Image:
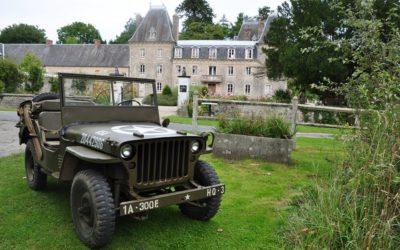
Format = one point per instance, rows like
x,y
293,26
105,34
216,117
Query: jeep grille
x,y
162,161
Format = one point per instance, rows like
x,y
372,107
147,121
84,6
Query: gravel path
x,y
9,142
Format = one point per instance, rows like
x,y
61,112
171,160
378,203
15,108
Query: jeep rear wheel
x,y
92,208
36,179
205,209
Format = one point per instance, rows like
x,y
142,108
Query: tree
x,y
203,31
263,13
22,33
79,33
195,11
234,31
10,75
32,66
130,28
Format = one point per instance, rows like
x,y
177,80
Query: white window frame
x,y
212,70
195,52
142,52
249,53
213,53
178,52
159,87
195,70
231,71
231,53
142,69
159,70
229,89
159,52
248,71
247,89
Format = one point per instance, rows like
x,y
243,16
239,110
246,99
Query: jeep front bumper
x,y
137,206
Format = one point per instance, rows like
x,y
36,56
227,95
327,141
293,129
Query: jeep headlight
x,y
126,151
195,146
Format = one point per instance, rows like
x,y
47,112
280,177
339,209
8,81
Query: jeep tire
x,y
205,175
45,96
92,208
36,179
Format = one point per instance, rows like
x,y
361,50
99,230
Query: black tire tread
x,y
45,96
39,181
206,175
104,206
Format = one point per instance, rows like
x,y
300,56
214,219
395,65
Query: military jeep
x,y
120,159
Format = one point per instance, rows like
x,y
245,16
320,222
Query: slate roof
x,y
249,30
73,55
157,19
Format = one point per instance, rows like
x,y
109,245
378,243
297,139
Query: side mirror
x,y
165,123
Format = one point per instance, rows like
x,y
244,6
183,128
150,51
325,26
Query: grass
x,y
252,214
8,109
299,128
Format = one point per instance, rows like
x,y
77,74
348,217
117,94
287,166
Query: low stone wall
x,y
247,108
237,147
13,100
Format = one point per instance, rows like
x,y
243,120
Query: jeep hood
x,y
107,136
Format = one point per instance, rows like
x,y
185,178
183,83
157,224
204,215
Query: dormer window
x,y
195,52
178,52
213,53
249,53
142,52
152,33
231,53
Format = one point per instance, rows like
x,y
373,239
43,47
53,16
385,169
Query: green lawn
x,y
251,216
8,109
299,128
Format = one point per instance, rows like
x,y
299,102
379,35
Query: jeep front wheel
x,y
92,208
36,179
205,175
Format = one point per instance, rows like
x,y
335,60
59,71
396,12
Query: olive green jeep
x,y
120,159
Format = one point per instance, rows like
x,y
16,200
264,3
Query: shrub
x,y
274,127
10,75
282,96
2,86
33,68
54,84
164,100
166,90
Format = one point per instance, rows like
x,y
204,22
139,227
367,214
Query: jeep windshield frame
x,y
80,104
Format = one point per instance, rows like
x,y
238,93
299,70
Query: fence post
x,y
195,111
295,103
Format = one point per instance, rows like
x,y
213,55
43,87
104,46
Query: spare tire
x,y
45,96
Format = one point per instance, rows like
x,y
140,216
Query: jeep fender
x,y
75,156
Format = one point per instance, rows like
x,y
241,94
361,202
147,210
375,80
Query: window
x,y
212,70
268,89
195,52
248,71
230,89
230,71
247,89
178,52
159,87
231,53
195,70
142,69
178,69
152,33
142,53
159,52
159,69
213,53
249,54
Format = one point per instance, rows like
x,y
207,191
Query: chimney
x,y
138,20
260,28
175,26
97,43
49,42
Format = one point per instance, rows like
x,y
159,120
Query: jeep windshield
x,y
95,98
85,90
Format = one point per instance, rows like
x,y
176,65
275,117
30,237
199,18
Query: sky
x,y
109,17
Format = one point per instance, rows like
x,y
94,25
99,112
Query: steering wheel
x,y
129,103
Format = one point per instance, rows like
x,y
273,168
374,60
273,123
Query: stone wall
x,y
13,100
238,147
248,108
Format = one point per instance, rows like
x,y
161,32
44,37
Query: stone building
x,y
226,67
